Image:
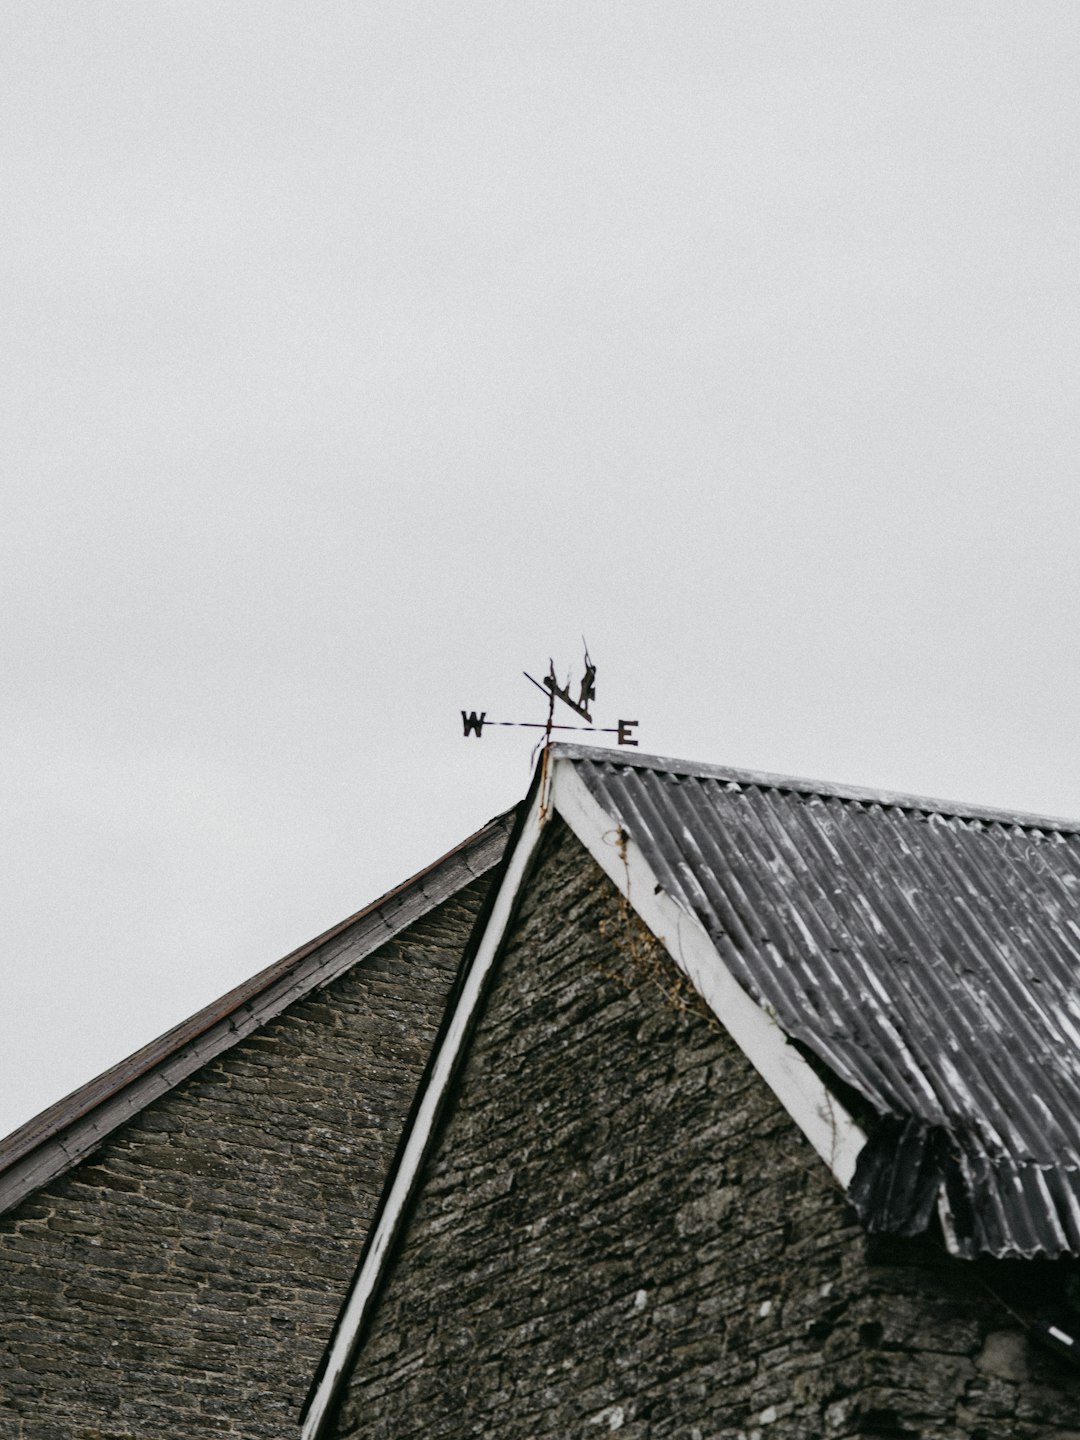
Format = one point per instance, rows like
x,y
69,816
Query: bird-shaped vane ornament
x,y
474,723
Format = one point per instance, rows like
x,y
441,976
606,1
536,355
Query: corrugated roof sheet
x,y
927,953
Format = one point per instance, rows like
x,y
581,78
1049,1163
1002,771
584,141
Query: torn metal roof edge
x,y
765,780
97,1107
933,974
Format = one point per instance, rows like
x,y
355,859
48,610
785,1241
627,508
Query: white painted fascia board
x,y
825,1122
402,1182
948,1225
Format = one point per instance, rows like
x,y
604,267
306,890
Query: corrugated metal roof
x,y
927,953
53,1141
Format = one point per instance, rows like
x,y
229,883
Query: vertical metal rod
x,y
545,772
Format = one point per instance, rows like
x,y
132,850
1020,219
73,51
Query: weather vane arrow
x,y
474,724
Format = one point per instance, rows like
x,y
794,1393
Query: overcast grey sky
x,y
358,356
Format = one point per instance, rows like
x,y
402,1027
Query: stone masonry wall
x,y
620,1230
183,1280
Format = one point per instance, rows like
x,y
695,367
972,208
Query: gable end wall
x,y
182,1280
619,1229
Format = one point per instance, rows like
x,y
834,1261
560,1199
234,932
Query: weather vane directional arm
x,y
474,724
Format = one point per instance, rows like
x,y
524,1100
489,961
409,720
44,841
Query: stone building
x,y
756,1114
699,1104
175,1236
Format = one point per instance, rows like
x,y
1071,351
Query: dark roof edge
x,y
865,796
68,1130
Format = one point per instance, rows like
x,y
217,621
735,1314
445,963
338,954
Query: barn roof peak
x,y
908,959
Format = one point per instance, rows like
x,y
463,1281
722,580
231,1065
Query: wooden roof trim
x,y
817,1112
52,1142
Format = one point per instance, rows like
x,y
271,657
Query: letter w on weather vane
x,y
474,724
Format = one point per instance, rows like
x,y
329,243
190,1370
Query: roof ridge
x,y
860,794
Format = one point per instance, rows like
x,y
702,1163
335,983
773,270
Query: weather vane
x,y
474,724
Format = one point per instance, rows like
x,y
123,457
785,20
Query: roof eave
x,y
52,1142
